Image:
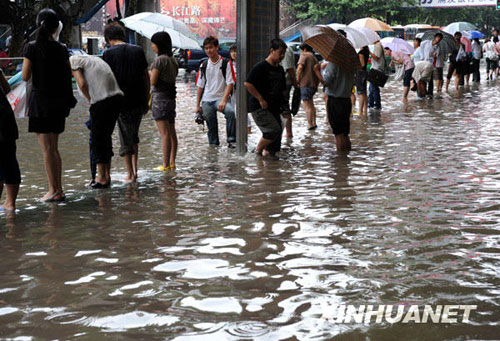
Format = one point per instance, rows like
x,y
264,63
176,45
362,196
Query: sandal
x,y
98,185
53,197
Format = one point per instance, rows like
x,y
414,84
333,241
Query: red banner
x,y
204,17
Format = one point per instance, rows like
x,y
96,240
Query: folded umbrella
x,y
147,24
332,46
371,23
448,43
397,45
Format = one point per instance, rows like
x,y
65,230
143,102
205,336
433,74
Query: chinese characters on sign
x,y
456,3
204,17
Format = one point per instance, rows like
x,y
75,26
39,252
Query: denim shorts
x,y
307,93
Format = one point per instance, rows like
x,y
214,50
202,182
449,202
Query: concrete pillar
x,y
258,24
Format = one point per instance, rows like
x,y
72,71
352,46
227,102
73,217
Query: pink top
x,y
403,57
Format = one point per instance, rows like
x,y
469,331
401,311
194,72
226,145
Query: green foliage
x,y
345,11
393,12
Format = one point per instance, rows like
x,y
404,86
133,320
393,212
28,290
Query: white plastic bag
x,y
400,72
18,100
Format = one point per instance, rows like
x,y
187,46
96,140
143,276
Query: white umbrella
x,y
357,38
370,34
147,24
397,45
459,27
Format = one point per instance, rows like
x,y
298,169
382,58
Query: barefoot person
x,y
266,84
98,84
308,79
10,176
339,84
46,61
130,68
162,76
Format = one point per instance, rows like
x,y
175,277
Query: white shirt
x,y
476,50
99,76
378,51
214,83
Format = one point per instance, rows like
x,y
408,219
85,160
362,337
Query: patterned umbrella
x,y
332,46
371,23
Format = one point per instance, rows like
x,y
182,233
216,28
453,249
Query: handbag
x,y
377,77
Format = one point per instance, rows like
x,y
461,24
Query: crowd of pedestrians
x,y
121,87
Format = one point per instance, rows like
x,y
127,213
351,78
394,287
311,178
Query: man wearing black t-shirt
x,y
129,66
266,84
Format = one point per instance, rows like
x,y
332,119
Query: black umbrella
x,y
448,43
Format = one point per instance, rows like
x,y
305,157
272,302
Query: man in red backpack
x,y
215,85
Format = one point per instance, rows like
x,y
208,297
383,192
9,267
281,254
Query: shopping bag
x,y
18,100
400,72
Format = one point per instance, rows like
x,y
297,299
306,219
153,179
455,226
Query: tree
x,y
345,11
21,15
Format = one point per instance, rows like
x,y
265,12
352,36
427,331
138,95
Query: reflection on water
x,y
236,246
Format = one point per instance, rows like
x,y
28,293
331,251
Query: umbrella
x,y
459,27
448,43
332,46
147,24
357,38
473,34
372,23
397,45
467,44
370,34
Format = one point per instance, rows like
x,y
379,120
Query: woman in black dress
x,y
46,61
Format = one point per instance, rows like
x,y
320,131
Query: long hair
x,y
47,23
164,43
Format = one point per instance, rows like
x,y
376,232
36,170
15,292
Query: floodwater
x,y
235,246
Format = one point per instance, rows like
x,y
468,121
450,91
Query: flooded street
x,y
234,246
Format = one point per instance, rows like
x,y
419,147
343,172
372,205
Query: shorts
x,y
163,107
438,74
47,125
268,123
457,66
9,168
339,115
361,82
102,123
491,64
129,121
307,93
407,77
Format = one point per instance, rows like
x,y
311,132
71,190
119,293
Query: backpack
x,y
223,68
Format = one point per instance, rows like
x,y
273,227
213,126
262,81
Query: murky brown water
x,y
237,247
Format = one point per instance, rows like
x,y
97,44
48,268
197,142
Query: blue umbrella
x,y
476,35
